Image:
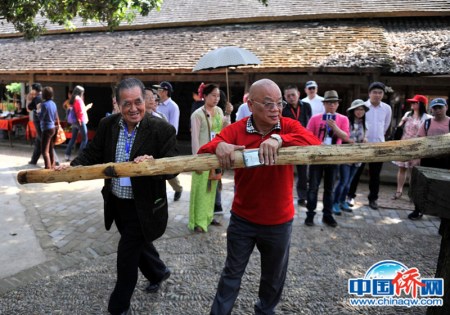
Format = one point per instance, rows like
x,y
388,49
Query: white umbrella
x,y
224,57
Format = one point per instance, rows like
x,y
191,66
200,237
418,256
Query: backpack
x,y
71,118
428,123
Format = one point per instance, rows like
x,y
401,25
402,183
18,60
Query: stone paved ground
x,y
78,271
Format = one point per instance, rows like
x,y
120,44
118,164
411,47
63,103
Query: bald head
x,y
261,87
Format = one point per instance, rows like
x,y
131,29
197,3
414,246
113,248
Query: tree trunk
x,y
335,154
429,192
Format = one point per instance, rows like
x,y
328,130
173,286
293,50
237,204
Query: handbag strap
x,y
207,122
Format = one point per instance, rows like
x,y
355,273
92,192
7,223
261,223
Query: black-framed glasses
x,y
270,105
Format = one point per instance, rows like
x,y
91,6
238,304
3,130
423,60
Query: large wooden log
x,y
335,154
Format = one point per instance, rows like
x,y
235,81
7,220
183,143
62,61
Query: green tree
x,y
22,13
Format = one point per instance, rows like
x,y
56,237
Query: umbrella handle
x,y
228,89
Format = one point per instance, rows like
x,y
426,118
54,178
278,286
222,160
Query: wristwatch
x,y
278,138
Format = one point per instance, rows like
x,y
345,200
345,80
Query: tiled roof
x,y
393,45
195,12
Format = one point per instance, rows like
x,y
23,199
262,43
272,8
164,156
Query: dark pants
x,y
355,181
48,138
38,142
273,242
374,180
302,182
133,253
316,172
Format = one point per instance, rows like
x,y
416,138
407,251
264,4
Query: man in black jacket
x,y
301,111
138,205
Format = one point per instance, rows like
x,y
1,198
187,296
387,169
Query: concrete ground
x,y
49,229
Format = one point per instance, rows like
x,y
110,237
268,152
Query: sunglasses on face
x,y
312,88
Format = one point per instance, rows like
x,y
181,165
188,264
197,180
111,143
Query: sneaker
x,y
345,207
350,201
415,215
309,221
301,202
154,287
373,204
329,220
67,157
177,195
336,209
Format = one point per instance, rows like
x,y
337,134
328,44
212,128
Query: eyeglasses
x,y
312,88
270,105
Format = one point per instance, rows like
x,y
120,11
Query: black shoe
x,y
154,287
32,163
309,221
301,202
415,215
373,204
329,220
177,195
218,209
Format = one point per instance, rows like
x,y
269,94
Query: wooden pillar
x,y
430,197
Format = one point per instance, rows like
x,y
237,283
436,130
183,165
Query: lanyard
x,y
296,115
128,144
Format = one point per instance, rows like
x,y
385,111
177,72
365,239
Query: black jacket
x,y
154,137
305,112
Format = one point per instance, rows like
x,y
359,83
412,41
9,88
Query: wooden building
x,y
343,45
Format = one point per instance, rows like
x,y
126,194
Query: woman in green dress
x,y
206,122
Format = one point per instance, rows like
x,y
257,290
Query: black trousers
x,y
374,180
133,253
302,182
273,242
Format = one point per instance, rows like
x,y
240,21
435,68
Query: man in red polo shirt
x,y
263,207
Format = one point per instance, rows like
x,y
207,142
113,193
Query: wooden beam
x,y
334,154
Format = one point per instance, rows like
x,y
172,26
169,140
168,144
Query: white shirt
x,y
378,121
170,109
243,112
316,104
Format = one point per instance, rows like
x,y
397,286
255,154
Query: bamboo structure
x,y
401,150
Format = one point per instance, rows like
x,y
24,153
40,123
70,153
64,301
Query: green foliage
x,y
14,88
22,13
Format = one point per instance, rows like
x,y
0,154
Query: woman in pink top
x,y
77,103
411,122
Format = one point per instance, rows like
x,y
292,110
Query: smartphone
x,y
251,158
328,116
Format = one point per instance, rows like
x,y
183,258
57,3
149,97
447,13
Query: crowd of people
x,y
144,126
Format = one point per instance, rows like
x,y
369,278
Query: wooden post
x,y
429,191
321,154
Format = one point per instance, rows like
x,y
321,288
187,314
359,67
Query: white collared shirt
x,y
316,104
378,121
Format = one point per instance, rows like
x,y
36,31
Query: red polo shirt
x,y
263,194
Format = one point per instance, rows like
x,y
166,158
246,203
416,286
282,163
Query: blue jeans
x,y
84,139
346,174
273,242
316,172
